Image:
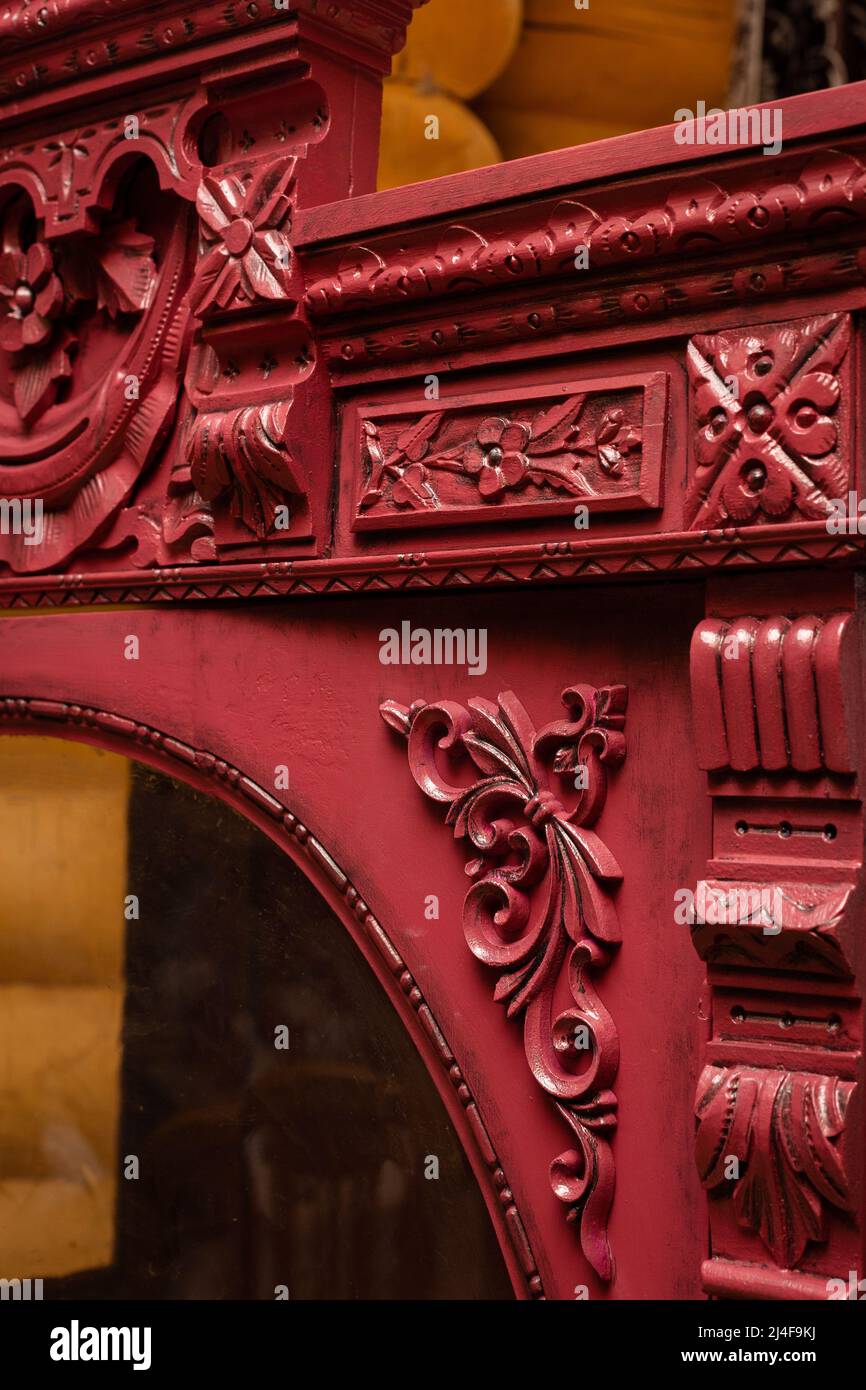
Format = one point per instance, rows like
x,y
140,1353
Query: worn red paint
x,y
696,387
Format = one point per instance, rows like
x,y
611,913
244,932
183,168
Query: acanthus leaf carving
x,y
784,1129
541,901
243,453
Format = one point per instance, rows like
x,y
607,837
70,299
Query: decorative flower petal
x,y
490,431
218,201
819,389
489,481
267,199
514,438
474,458
49,301
259,279
513,469
215,276
12,271
36,330
11,333
38,265
409,489
808,432
777,493
739,502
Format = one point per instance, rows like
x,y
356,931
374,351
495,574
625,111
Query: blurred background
x,y
506,78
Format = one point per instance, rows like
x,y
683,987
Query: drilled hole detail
x,y
784,829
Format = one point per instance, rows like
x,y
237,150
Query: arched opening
x,y
205,1091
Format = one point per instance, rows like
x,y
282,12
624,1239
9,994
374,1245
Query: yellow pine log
x,y
60,1056
618,66
52,1227
406,154
62,861
459,46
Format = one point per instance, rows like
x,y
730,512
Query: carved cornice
x,y
692,220
540,906
132,739
61,41
488,470
764,227
25,25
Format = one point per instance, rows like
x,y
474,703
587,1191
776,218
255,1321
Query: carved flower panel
x,y
770,423
488,456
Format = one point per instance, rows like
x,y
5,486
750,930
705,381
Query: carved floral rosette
x,y
540,903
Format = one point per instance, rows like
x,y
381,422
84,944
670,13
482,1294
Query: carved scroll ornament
x,y
540,903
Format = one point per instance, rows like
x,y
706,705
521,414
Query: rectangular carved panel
x,y
506,454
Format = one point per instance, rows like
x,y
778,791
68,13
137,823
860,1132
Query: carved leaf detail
x,y
35,381
244,452
540,901
784,1131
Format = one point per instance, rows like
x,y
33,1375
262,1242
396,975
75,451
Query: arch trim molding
x,y
115,732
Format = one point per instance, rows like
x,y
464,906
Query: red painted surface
x,y
697,387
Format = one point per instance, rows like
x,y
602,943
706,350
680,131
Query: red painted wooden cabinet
x,y
504,514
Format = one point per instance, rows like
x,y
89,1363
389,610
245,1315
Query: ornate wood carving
x,y
246,262
540,903
776,703
790,926
63,32
215,373
782,1129
623,235
693,219
771,693
542,452
770,423
91,340
100,301
260,332
247,255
